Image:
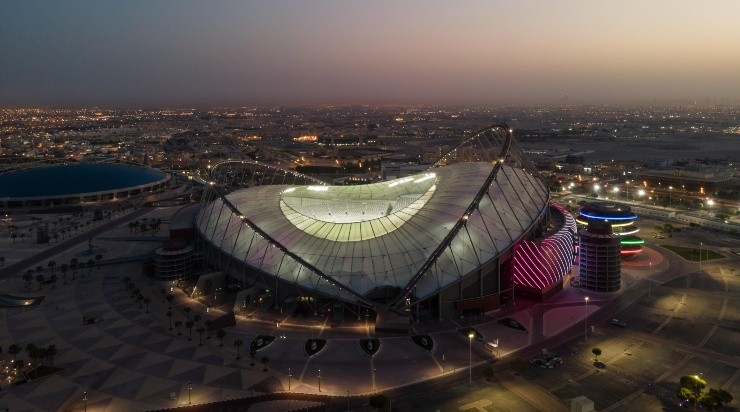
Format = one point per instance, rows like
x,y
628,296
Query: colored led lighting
x,y
633,217
621,224
631,251
632,241
631,232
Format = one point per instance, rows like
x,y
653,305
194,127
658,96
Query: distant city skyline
x,y
175,53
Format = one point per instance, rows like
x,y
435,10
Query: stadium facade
x,y
461,237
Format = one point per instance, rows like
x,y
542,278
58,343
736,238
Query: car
x,y
617,322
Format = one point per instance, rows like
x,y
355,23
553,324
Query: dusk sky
x,y
182,53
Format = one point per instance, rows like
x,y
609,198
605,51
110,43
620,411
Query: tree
x,y
50,352
56,237
189,324
238,344
201,330
690,387
98,258
31,350
40,279
73,264
597,353
64,268
169,315
147,301
90,264
53,280
14,350
715,399
178,323
221,334
52,264
378,401
187,312
169,299
28,277
2,260
197,319
265,359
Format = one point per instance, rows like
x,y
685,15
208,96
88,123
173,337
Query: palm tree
x,y
98,258
208,324
169,315
140,298
187,312
50,352
56,237
28,277
147,301
201,330
14,350
52,264
90,264
53,280
189,324
238,344
40,279
178,323
265,359
221,334
31,350
197,319
73,264
169,299
64,268
2,260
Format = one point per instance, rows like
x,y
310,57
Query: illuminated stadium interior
x,y
441,241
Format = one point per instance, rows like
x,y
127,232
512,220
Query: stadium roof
x,y
419,233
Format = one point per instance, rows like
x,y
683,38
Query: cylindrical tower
x,y
599,257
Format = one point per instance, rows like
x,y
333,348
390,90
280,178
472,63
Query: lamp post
x,y
319,380
190,388
585,321
701,246
471,335
696,389
84,399
290,374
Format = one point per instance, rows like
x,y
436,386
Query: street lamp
x,y
290,374
319,380
84,399
190,388
585,321
471,335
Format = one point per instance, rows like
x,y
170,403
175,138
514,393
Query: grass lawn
x,y
693,254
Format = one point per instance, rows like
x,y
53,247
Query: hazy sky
x,y
148,53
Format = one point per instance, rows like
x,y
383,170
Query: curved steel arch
x,y
257,164
471,207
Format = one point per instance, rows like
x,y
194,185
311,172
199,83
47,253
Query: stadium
x,y
42,183
460,238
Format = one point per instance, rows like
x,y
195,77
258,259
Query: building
x,y
440,242
599,257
